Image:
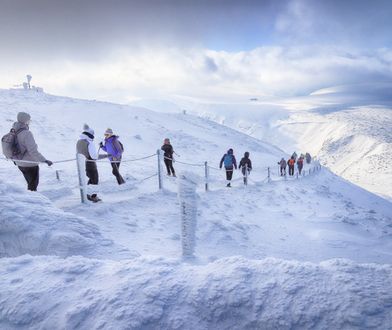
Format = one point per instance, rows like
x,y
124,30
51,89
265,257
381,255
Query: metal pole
x,y
82,182
269,175
159,170
58,175
206,175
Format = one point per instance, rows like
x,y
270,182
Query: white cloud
x,y
265,71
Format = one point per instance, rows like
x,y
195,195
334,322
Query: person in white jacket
x,y
28,151
86,147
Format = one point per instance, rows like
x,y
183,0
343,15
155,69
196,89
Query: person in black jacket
x,y
246,165
230,163
168,156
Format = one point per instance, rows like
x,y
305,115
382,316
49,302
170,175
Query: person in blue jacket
x,y
114,149
230,163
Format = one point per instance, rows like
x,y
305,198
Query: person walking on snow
x,y
283,165
300,164
291,163
114,149
246,165
168,156
85,146
294,155
28,151
230,163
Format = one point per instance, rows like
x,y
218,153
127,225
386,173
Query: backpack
x,y
228,160
122,147
9,143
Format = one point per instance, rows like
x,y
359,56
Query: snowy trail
x,y
117,264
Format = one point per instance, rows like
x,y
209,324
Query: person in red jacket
x,y
300,164
291,163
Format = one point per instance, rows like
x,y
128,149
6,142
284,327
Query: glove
x,y
49,162
101,144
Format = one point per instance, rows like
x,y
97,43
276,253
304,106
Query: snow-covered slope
x,y
265,255
348,127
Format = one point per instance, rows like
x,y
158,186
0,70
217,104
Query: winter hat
x,y
246,154
23,117
87,129
230,151
109,131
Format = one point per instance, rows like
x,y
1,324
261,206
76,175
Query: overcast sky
x,y
120,50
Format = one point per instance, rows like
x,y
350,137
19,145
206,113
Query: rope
x,y
118,161
149,177
177,161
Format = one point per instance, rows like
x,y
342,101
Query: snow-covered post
x,y
269,174
80,163
188,203
159,169
206,175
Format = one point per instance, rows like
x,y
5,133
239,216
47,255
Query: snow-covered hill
x,y
348,127
266,254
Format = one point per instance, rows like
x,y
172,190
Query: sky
x,y
213,49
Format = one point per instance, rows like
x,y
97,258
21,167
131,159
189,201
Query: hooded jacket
x,y
113,147
86,147
27,146
234,161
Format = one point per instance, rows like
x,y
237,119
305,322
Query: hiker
x,y
308,158
294,156
26,150
300,164
291,163
168,157
114,148
85,146
230,163
246,165
283,165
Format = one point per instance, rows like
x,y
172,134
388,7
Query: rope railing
x,y
81,160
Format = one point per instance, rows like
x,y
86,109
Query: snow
x,y
312,252
151,293
347,126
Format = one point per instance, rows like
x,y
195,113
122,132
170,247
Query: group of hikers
x,y
291,163
19,145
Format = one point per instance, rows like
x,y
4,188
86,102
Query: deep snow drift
x,y
265,255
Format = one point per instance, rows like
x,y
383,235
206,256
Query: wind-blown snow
x,y
313,252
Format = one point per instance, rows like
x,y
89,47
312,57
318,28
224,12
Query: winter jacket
x,y
234,162
86,147
282,163
291,162
168,150
113,147
300,162
27,146
245,161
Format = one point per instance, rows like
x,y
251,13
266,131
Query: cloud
x,y
262,72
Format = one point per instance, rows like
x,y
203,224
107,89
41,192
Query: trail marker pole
x,y
80,160
269,174
58,175
188,203
206,175
160,186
